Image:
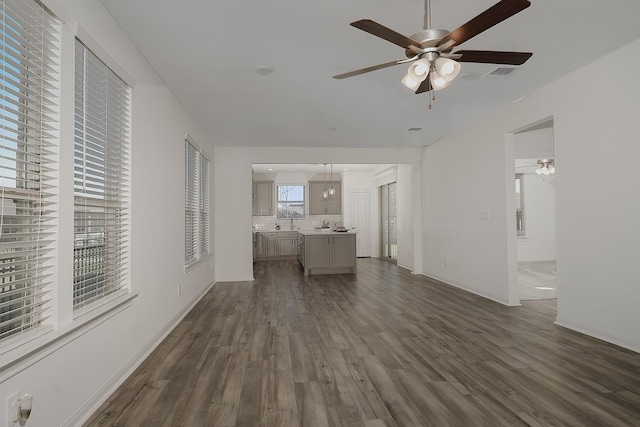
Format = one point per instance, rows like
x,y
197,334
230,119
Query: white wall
x,y
596,212
68,383
233,202
539,244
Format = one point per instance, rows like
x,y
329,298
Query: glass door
x,y
388,222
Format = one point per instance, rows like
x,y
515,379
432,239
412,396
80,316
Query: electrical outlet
x,y
180,289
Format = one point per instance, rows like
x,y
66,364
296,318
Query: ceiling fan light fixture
x,y
448,68
547,167
419,69
437,81
410,83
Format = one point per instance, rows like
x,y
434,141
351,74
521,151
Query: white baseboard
x,y
601,334
473,291
91,405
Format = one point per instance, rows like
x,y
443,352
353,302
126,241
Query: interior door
x,y
360,218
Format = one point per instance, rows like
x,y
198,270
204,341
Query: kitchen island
x,y
327,252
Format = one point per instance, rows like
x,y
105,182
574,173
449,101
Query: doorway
x,y
535,212
388,222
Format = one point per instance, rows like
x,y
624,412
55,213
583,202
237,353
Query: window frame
x,y
289,202
102,144
197,205
28,139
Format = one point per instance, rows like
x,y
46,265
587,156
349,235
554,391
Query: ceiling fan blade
x,y
373,68
493,57
387,34
425,86
487,19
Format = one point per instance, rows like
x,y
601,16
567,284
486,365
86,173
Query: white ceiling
x,y
207,52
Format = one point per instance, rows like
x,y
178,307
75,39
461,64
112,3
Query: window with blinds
x,y
29,62
101,180
196,205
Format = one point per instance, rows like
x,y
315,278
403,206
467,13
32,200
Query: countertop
x,y
322,232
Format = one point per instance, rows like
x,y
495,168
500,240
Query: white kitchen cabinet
x,y
262,198
321,206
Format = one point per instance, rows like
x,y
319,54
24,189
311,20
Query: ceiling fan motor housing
x,y
429,38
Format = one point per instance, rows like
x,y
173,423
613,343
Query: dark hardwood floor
x,y
380,348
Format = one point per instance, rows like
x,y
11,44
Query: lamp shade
x,y
418,71
447,68
437,81
411,83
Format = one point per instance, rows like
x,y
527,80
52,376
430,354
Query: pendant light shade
x,y
325,193
332,189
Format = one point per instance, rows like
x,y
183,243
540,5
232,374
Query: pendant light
x,y
332,189
325,193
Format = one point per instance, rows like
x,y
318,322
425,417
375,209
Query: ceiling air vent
x,y
501,72
414,129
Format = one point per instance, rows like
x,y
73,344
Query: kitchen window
x,y
290,201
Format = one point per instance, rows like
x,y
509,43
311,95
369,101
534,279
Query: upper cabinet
x,y
321,206
262,195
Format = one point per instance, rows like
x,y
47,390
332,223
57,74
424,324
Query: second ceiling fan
x,y
433,64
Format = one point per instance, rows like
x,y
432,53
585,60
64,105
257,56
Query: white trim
x,y
193,142
58,10
28,354
99,397
601,334
193,265
473,291
85,37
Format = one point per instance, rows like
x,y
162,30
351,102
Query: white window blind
x,y
101,180
29,60
191,204
196,205
203,218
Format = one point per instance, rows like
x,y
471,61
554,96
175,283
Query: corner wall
x,y
597,211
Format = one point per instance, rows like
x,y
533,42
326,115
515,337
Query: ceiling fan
x,y
543,166
430,51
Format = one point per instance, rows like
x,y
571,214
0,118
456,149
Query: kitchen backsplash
x,y
306,223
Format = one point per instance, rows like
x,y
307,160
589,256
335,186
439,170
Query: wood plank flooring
x,y
383,348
